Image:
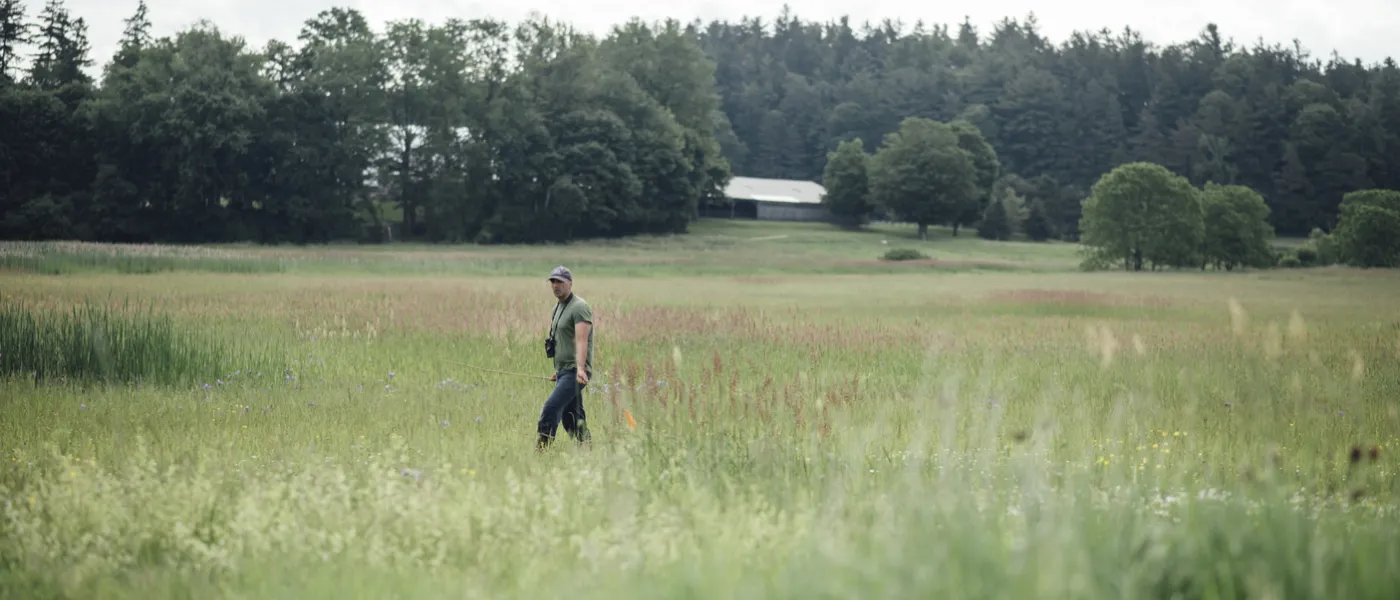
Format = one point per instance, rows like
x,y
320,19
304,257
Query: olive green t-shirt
x,y
575,312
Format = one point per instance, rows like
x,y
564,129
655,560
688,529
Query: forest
x,y
479,130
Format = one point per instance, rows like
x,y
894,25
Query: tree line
x,y
479,130
465,131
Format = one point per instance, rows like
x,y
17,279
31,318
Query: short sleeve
x,y
583,314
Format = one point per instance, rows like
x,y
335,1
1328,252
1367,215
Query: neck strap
x,y
559,312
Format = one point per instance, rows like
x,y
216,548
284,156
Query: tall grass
x,y
910,437
101,343
68,258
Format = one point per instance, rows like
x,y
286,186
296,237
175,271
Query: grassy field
x,y
810,422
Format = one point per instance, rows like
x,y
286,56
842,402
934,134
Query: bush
x,y
1306,256
1290,261
1324,245
903,254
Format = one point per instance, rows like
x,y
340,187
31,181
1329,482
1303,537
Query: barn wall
x,y
771,211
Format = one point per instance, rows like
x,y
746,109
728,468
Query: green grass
x,y
802,430
713,247
97,343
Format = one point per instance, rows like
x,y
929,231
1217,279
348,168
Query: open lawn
x,y
810,422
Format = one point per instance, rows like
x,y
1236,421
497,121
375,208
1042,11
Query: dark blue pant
x,y
564,405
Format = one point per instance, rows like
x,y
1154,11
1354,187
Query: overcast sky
x,y
1354,28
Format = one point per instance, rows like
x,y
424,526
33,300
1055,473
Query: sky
x,y
1355,29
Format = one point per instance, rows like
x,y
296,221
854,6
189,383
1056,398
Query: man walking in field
x,y
570,344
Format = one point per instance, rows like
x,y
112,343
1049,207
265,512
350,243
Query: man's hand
x,y
554,376
582,376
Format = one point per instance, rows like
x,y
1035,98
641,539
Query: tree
x,y
847,182
63,49
1037,225
14,32
995,224
921,174
1368,232
984,161
669,65
1237,230
1142,213
479,129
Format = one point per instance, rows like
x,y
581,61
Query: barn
x,y
772,200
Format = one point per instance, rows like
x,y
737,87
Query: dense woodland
x,y
481,130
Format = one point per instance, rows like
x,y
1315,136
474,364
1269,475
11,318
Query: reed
x,y
104,343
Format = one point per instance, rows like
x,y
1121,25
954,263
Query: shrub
x,y
1290,261
903,254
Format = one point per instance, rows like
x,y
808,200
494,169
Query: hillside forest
x,y
478,130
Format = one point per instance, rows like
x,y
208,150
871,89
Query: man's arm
x,y
581,342
581,349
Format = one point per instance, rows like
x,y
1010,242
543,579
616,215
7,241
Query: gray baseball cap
x,y
561,274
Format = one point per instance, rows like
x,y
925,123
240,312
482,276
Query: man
x,y
570,343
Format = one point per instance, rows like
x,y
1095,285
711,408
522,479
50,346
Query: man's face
x,y
561,288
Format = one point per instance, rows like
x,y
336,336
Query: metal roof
x,y
788,191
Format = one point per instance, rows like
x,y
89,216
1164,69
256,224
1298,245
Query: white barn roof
x,y
774,190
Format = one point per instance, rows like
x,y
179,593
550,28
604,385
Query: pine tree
x,y
14,33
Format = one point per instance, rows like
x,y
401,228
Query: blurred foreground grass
x,y
961,435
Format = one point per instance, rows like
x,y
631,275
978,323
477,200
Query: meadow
x,y
806,421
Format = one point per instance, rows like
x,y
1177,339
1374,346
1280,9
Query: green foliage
x,y
1143,215
1323,245
1304,255
463,129
1037,225
847,182
1237,231
922,174
899,254
98,343
1369,236
995,223
986,166
199,138
1368,231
